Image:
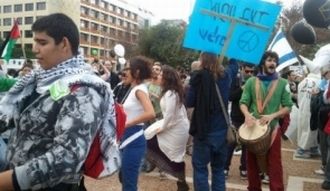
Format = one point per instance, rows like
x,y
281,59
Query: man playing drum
x,y
265,99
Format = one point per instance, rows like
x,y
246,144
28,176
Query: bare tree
x,y
289,17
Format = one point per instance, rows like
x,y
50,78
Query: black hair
x,y
267,54
58,26
140,67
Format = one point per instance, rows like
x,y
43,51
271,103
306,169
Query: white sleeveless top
x,y
132,105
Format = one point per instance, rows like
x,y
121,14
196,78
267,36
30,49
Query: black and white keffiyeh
x,y
40,80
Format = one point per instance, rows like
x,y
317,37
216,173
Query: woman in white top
x,y
138,109
167,149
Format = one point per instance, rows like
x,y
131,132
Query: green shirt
x,y
280,98
154,94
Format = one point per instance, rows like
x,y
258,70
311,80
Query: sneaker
x,y
182,186
243,174
239,152
265,179
162,175
319,172
315,152
302,154
325,185
226,173
149,167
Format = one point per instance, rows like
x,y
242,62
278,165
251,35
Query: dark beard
x,y
267,70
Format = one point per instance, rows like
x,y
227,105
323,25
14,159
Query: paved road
x,y
298,174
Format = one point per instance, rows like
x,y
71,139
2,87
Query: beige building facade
x,y
102,23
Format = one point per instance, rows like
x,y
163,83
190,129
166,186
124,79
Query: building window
x,y
84,37
94,39
102,4
104,17
7,22
28,34
127,35
28,20
104,29
93,14
120,34
121,23
113,20
28,46
19,20
41,6
102,41
7,9
113,31
106,5
113,8
95,26
18,8
6,33
0,9
84,10
93,2
29,7
84,24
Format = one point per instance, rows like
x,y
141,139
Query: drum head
x,y
252,133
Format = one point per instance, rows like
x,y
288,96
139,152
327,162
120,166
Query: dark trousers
x,y
231,148
67,187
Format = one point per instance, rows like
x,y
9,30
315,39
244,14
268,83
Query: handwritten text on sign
x,y
207,32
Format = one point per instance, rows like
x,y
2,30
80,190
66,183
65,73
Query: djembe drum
x,y
257,140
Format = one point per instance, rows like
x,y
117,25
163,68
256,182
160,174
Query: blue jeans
x,y
3,149
212,149
132,156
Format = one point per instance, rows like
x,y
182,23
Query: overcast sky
x,y
176,9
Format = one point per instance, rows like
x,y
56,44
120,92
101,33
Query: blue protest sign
x,y
254,21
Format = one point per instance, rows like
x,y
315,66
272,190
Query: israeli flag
x,y
281,46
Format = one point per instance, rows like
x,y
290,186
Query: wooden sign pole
x,y
233,22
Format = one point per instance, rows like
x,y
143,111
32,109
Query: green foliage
x,y
163,43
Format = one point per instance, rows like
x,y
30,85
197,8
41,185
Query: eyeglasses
x,y
249,71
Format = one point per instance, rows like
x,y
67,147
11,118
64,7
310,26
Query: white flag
x,y
281,46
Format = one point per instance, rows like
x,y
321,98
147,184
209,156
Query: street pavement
x,y
298,176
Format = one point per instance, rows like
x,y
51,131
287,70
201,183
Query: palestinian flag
x,y
9,44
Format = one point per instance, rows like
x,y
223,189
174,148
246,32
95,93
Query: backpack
x,y
120,120
104,157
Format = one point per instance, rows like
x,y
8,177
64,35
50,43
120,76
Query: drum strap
x,y
261,104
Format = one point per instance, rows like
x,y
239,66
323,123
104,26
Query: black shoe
x,y
150,167
284,137
182,186
243,174
325,185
